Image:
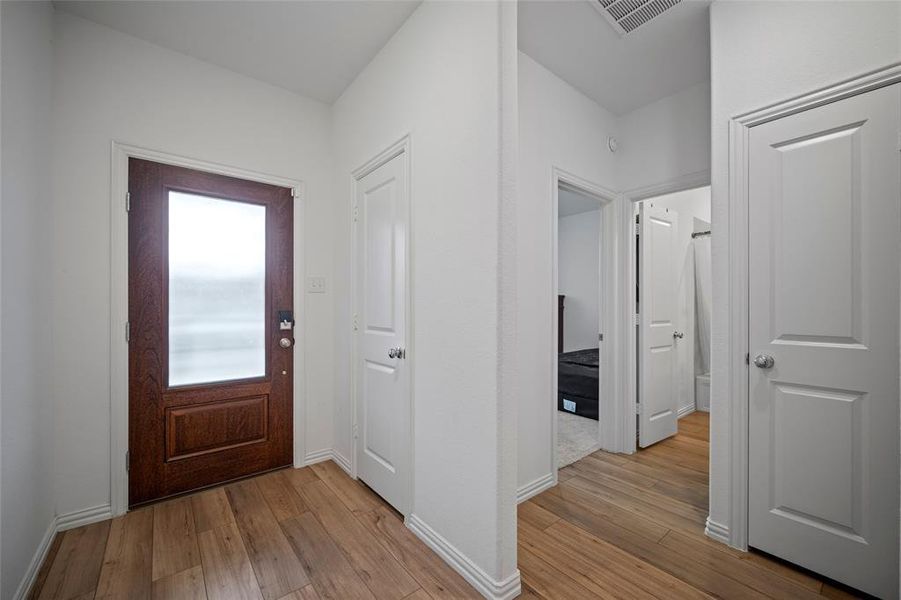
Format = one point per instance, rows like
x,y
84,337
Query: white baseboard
x,y
545,482
57,525
35,565
85,516
509,588
685,410
342,462
318,456
717,531
327,454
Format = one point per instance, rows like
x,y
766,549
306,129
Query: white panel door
x,y
658,265
824,194
382,376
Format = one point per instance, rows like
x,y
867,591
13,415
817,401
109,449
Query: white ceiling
x,y
664,56
314,48
570,203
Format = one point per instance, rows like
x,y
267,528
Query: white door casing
x,y
824,191
658,311
382,374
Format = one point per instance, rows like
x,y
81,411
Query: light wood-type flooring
x,y
632,526
616,526
295,534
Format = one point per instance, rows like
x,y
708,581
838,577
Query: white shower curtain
x,y
703,302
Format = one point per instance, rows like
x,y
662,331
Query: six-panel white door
x,y
658,402
824,214
382,377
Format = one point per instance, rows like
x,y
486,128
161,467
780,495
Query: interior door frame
x,y
735,532
608,297
628,426
399,148
118,358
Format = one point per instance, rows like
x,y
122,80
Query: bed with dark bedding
x,y
577,374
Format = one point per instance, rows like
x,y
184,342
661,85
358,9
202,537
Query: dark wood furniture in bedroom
x,y
560,298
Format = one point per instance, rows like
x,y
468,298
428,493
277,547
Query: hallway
x,y
632,526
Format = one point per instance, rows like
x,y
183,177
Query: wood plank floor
x,y
621,526
295,534
616,527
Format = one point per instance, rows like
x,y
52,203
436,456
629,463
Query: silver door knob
x,y
764,361
286,342
397,353
392,353
678,335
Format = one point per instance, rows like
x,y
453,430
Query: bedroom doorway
x,y
580,302
673,304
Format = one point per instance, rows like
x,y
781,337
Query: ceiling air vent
x,y
628,15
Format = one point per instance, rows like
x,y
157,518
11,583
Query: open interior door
x,y
657,398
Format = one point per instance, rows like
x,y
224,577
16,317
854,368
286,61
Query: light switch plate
x,y
315,285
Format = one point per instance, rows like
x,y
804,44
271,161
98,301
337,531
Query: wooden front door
x,y
210,329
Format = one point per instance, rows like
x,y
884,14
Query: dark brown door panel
x,y
210,387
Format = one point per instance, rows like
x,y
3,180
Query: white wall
x,y
763,53
27,500
558,127
665,140
110,86
438,80
578,277
690,205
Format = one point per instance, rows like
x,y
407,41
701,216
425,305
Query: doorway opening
x,y
581,378
673,304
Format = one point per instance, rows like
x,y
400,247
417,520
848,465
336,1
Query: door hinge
x,y
355,322
127,461
127,331
600,337
637,319
356,213
356,431
127,201
747,358
295,193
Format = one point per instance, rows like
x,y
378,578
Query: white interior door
x,y
824,192
657,310
382,375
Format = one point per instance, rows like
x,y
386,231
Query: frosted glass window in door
x,y
217,289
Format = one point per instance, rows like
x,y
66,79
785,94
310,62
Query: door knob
x,y
678,335
392,353
286,342
397,353
764,361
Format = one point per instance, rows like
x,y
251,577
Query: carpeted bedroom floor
x,y
577,437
